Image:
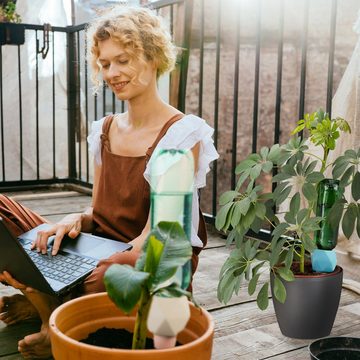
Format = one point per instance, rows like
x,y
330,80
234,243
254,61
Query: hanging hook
x,y
45,47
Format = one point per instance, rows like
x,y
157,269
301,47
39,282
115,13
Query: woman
x,y
130,49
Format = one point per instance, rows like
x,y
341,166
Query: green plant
x,y
8,13
166,249
248,207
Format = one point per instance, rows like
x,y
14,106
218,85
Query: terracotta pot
x,y
75,319
311,304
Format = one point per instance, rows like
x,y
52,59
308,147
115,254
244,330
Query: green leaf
x,y
286,274
278,231
244,205
355,187
314,177
123,284
283,195
249,218
260,210
255,171
335,214
227,197
267,166
153,254
257,267
358,221
289,257
348,222
244,165
262,299
274,153
176,253
236,215
345,178
309,192
222,215
279,290
252,284
295,203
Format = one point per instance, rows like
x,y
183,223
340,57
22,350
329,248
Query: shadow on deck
x,y
242,331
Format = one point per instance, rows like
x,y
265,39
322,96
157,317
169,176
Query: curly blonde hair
x,y
140,31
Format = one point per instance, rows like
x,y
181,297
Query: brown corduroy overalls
x,y
121,206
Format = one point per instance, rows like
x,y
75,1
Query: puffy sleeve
x,y
185,134
94,139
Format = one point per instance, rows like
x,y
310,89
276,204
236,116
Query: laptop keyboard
x,y
64,268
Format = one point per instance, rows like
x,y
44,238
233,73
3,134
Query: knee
x,y
94,283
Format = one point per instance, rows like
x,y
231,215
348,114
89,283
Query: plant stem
x,y
302,259
140,330
326,154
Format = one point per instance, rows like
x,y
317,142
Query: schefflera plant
x,y
165,250
248,207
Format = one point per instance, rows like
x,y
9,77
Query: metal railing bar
x,y
78,86
201,70
53,104
235,98
37,107
257,79
86,109
279,74
331,56
104,99
303,60
163,3
20,114
113,103
2,118
216,104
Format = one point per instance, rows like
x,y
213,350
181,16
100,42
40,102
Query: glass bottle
x,y
329,192
172,179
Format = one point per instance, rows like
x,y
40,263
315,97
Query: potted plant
x,y
305,302
11,33
126,305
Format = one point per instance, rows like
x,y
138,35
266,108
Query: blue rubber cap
x,y
323,260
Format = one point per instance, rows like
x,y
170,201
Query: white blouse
x,y
183,134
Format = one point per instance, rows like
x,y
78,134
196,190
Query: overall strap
x,y
162,132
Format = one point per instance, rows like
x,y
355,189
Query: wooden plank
x,y
245,331
46,195
58,205
10,335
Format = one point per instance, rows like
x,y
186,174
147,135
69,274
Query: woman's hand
x,y
70,225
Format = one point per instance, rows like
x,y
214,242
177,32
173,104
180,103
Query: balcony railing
x,y
248,68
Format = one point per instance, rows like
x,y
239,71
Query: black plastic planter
x,y
12,34
311,305
335,348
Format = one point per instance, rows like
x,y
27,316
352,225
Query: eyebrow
x,y
115,57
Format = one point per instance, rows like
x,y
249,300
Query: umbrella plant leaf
x,y
262,299
348,222
355,187
279,290
252,284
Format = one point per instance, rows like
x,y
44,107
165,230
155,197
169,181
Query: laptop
x,y
54,275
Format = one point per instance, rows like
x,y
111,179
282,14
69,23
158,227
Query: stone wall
x,y
245,13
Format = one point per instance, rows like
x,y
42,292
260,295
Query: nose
x,y
113,71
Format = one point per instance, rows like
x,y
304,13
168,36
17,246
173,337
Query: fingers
x,y
40,244
58,238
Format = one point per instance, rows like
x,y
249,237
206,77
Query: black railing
x,y
251,68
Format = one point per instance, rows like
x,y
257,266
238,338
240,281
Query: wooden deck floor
x,y
242,331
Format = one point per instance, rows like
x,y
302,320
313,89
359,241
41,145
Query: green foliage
x,y
248,207
8,13
165,251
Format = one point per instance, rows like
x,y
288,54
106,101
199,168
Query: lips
x,y
119,86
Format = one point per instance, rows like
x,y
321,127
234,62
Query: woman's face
x,y
125,80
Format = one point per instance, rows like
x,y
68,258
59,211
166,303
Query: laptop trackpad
x,y
93,246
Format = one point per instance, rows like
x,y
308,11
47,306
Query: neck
x,y
144,109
